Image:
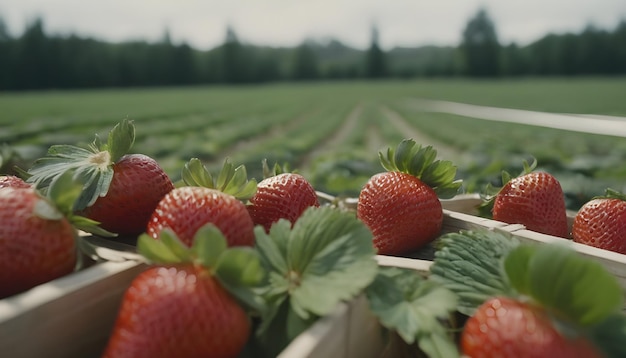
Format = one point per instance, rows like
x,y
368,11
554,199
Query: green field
x,y
332,131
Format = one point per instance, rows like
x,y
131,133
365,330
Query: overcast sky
x,y
202,23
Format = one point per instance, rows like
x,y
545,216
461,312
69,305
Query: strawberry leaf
x,y
610,335
469,263
157,251
121,139
206,248
330,262
326,258
406,303
559,278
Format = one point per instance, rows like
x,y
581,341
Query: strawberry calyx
x,y
230,180
238,269
491,191
275,170
410,158
92,166
611,194
63,192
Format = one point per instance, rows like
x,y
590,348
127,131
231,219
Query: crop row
x,y
332,133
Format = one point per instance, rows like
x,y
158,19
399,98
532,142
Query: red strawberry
x,y
504,327
121,191
401,206
281,196
37,234
183,309
601,222
11,181
36,241
184,210
533,199
137,186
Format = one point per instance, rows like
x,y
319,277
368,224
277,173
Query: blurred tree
x,y
375,61
513,61
6,56
304,63
234,62
480,46
618,42
32,51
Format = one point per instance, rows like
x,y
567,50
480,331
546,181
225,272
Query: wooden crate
x,y
67,317
352,330
460,213
73,316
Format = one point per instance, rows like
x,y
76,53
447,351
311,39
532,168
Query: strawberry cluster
x,y
229,255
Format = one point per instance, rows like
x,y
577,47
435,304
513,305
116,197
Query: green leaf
x,y
196,174
328,262
612,194
175,246
273,249
326,258
121,139
470,263
516,267
90,226
239,266
609,335
239,270
156,251
577,288
64,191
208,245
230,180
406,303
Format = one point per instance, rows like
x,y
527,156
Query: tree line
x,y
37,60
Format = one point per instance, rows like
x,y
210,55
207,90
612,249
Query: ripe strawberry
x,y
601,222
37,234
184,308
37,243
137,186
185,209
504,327
280,195
401,206
11,181
121,191
533,199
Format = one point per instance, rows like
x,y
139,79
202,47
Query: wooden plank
x,y
68,317
352,330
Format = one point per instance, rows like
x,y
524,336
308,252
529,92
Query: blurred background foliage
x,y
38,60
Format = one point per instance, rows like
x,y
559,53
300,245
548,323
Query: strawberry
x,y
529,300
121,190
185,209
533,199
401,206
11,181
181,305
280,195
37,235
505,327
601,222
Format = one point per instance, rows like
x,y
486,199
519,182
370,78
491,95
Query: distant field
x,y
332,131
